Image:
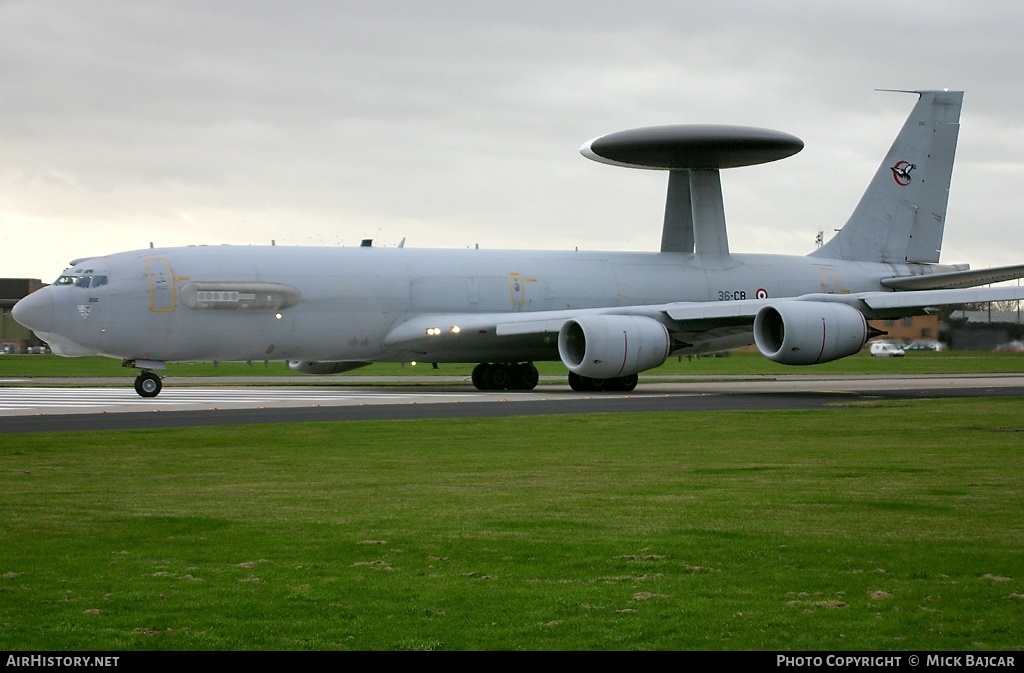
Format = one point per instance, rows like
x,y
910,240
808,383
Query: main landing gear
x,y
524,376
148,384
505,376
585,384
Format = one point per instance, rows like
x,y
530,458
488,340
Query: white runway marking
x,y
18,401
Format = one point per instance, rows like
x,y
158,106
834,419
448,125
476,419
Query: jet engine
x,y
323,368
809,332
609,346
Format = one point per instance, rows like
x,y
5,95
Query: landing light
x,y
454,329
433,331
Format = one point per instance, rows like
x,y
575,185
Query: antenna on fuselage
x,y
693,154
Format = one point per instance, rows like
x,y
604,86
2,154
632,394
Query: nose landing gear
x,y
148,384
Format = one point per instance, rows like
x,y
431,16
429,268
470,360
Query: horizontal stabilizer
x,y
925,298
955,279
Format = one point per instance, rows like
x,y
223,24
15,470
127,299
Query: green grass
x,y
916,362
890,526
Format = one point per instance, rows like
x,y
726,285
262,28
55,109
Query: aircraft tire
x,y
480,376
581,384
148,384
499,376
622,383
585,384
628,383
525,376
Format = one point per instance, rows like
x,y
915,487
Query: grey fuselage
x,y
237,303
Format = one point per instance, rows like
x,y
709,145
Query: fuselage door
x,y
161,284
830,280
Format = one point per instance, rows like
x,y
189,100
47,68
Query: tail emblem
x,y
901,172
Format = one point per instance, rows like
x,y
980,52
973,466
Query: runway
x,y
185,403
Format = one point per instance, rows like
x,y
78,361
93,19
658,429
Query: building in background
x,y
909,330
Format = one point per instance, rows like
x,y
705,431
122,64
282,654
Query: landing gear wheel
x,y
498,376
585,384
505,376
525,376
148,384
480,376
628,383
581,384
622,383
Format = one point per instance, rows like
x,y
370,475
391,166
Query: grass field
x,y
916,362
879,527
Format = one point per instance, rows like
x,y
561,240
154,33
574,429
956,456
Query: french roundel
x,y
901,172
761,293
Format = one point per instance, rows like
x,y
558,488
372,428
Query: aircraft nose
x,y
35,311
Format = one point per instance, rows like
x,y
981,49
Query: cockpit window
x,y
82,281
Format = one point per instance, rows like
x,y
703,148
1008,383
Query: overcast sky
x,y
459,123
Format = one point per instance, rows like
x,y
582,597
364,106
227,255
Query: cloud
x,y
453,123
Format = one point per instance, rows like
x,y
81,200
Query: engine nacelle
x,y
323,368
608,346
809,332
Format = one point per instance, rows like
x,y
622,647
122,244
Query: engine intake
x,y
809,332
607,346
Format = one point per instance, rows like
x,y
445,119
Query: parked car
x,y
925,345
884,349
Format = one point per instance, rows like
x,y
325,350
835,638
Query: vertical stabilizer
x,y
902,215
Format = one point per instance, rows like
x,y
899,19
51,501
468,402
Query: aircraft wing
x,y
469,326
867,302
689,317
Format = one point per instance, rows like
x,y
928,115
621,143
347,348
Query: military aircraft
x,y
606,315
